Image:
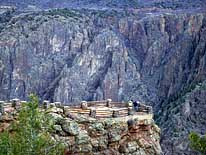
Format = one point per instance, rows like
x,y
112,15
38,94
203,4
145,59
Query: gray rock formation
x,y
69,56
183,115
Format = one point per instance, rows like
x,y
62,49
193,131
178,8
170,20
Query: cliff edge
x,y
134,133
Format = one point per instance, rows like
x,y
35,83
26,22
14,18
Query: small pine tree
x,y
29,134
197,142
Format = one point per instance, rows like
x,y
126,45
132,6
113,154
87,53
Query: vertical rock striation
x,y
69,56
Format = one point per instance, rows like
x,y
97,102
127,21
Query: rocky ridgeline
x,y
64,55
134,134
105,4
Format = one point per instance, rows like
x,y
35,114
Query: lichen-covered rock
x,y
83,149
99,143
97,126
57,128
56,118
82,138
96,129
115,136
71,127
132,147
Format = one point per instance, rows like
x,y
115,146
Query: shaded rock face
x,y
182,116
88,55
67,61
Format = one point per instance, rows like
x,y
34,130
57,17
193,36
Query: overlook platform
x,y
97,127
108,109
94,109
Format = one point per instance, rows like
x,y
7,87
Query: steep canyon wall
x,y
69,56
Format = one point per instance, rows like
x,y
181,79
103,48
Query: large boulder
x,y
71,127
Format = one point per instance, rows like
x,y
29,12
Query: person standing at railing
x,y
136,105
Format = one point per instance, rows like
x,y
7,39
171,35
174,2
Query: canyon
x,y
151,54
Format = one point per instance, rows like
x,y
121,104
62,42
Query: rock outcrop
x,y
135,134
68,56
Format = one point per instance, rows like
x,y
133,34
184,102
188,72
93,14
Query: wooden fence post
x,y
130,104
58,104
2,107
15,102
93,113
84,105
45,104
109,103
149,109
52,105
115,113
130,111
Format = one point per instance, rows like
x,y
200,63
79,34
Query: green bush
x,y
197,142
64,12
29,134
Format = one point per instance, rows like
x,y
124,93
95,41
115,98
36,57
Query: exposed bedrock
x,y
92,55
68,59
135,134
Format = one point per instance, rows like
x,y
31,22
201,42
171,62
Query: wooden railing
x,y
107,108
95,109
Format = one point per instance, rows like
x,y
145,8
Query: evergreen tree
x,y
29,134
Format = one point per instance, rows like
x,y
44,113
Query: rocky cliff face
x,y
81,134
181,116
68,56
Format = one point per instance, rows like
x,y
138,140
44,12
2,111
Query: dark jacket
x,y
135,104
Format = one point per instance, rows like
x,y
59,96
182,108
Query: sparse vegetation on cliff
x,y
198,142
64,12
29,134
